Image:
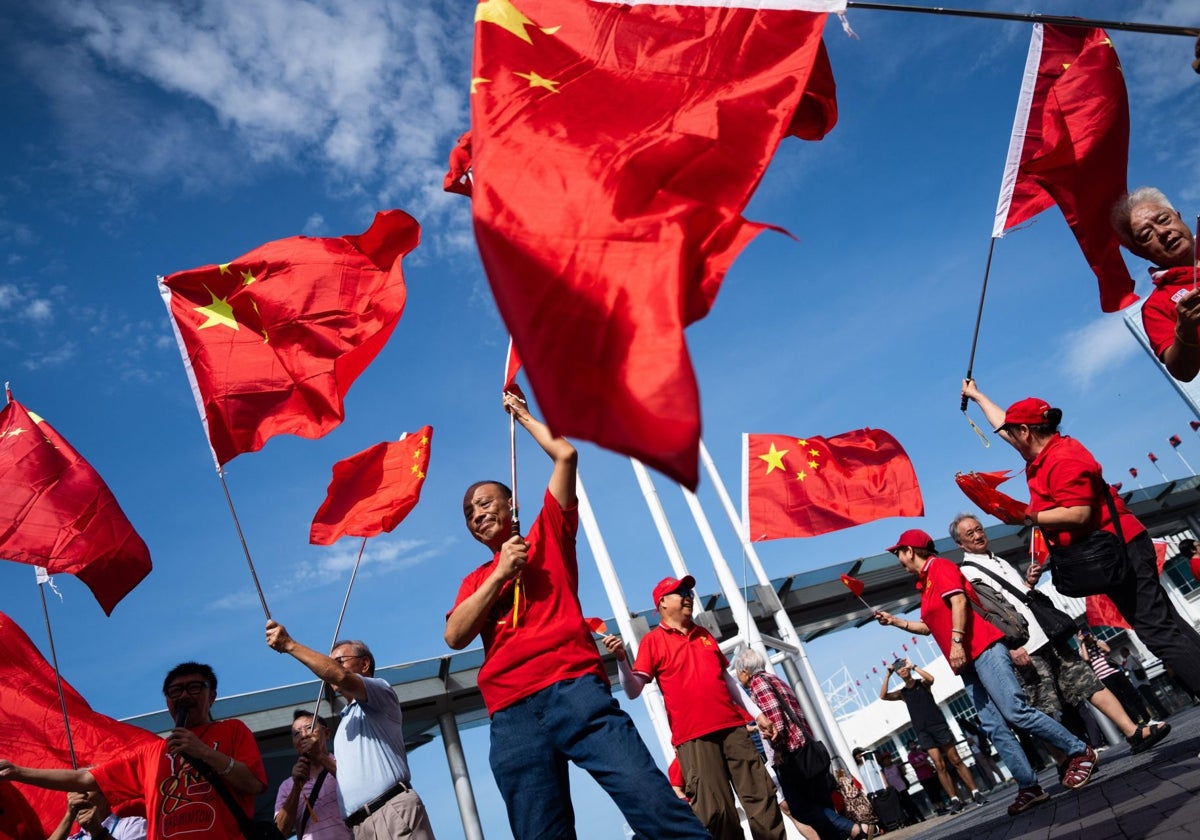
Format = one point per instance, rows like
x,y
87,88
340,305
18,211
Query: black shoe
x,y
1147,736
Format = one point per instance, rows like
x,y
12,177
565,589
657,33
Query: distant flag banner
x,y
1070,147
1039,549
981,488
801,487
856,586
613,149
1174,440
56,511
273,340
1153,458
34,734
1133,471
512,366
1194,424
597,625
373,491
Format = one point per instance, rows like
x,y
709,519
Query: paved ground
x,y
1152,795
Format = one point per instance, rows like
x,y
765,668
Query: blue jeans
x,y
578,720
1001,703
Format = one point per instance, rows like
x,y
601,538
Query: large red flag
x,y
273,340
980,488
1070,146
373,491
32,731
57,512
801,487
613,147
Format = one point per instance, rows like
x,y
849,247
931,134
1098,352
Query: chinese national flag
x,y
1070,146
981,488
373,491
613,148
33,734
801,487
57,512
273,340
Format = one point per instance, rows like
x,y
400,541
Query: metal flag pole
x,y
1154,461
42,579
337,631
1185,461
987,269
242,538
1054,20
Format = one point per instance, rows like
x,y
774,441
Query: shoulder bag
x,y
1055,623
811,762
1094,565
996,610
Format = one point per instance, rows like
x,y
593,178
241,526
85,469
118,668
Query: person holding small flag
x,y
1070,500
542,679
96,820
307,802
1150,227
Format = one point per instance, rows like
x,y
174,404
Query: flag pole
x,y
242,538
1181,458
1154,461
42,578
1054,20
1135,478
337,631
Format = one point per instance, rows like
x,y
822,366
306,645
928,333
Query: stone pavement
x,y
1152,795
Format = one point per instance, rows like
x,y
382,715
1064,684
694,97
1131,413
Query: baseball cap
x,y
1027,412
669,584
913,538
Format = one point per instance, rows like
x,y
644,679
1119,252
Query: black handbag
x,y
811,763
1094,565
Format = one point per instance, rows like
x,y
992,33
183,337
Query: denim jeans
x,y
578,720
992,684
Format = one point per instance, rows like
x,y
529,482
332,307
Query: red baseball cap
x,y
669,584
913,538
1027,412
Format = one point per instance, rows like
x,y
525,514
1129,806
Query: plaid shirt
x,y
789,737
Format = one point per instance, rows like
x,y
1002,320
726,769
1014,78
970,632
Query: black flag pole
x,y
1054,20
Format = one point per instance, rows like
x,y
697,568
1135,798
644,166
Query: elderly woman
x,y
1070,500
808,801
1151,228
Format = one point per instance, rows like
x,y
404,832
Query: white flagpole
x,y
616,599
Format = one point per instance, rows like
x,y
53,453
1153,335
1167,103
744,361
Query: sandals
x,y
867,830
1147,736
1027,798
1079,769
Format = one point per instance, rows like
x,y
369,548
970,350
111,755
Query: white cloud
x,y
1096,347
8,296
55,357
314,225
39,310
382,556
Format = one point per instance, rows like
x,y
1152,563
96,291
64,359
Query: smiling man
x,y
1151,228
179,801
542,679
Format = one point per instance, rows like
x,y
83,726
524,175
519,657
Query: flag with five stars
x,y
371,492
801,487
273,340
613,148
33,733
1070,147
57,512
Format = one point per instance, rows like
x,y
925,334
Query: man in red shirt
x,y
975,651
180,802
1188,550
708,719
1152,229
542,679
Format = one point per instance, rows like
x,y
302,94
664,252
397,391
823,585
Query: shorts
x,y
935,735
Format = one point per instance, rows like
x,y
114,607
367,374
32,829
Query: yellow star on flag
x,y
14,432
801,475
414,469
477,81
536,81
774,459
813,452
224,268
505,15
424,440
813,465
248,278
802,442
217,312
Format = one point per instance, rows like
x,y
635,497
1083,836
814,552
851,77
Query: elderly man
x,y
708,719
96,820
1151,228
1049,670
312,783
179,799
974,649
542,679
374,788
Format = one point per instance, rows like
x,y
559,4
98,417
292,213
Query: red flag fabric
x,y
1070,146
512,366
1039,549
1133,471
458,177
597,625
613,149
1101,611
371,492
1153,458
856,586
801,487
1117,485
57,512
980,488
1195,425
32,729
273,340
1174,440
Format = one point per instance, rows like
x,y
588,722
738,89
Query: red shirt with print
x,y
938,581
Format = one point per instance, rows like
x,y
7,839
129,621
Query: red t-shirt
x,y
180,802
1158,312
1194,565
938,581
1064,474
551,641
690,670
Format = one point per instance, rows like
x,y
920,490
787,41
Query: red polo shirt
x,y
1158,312
690,670
1064,474
550,641
937,582
1194,565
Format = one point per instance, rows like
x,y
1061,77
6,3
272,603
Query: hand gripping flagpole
x,y
516,508
42,580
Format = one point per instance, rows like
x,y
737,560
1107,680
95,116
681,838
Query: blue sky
x,y
149,138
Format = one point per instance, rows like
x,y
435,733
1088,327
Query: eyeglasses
x,y
192,689
341,660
